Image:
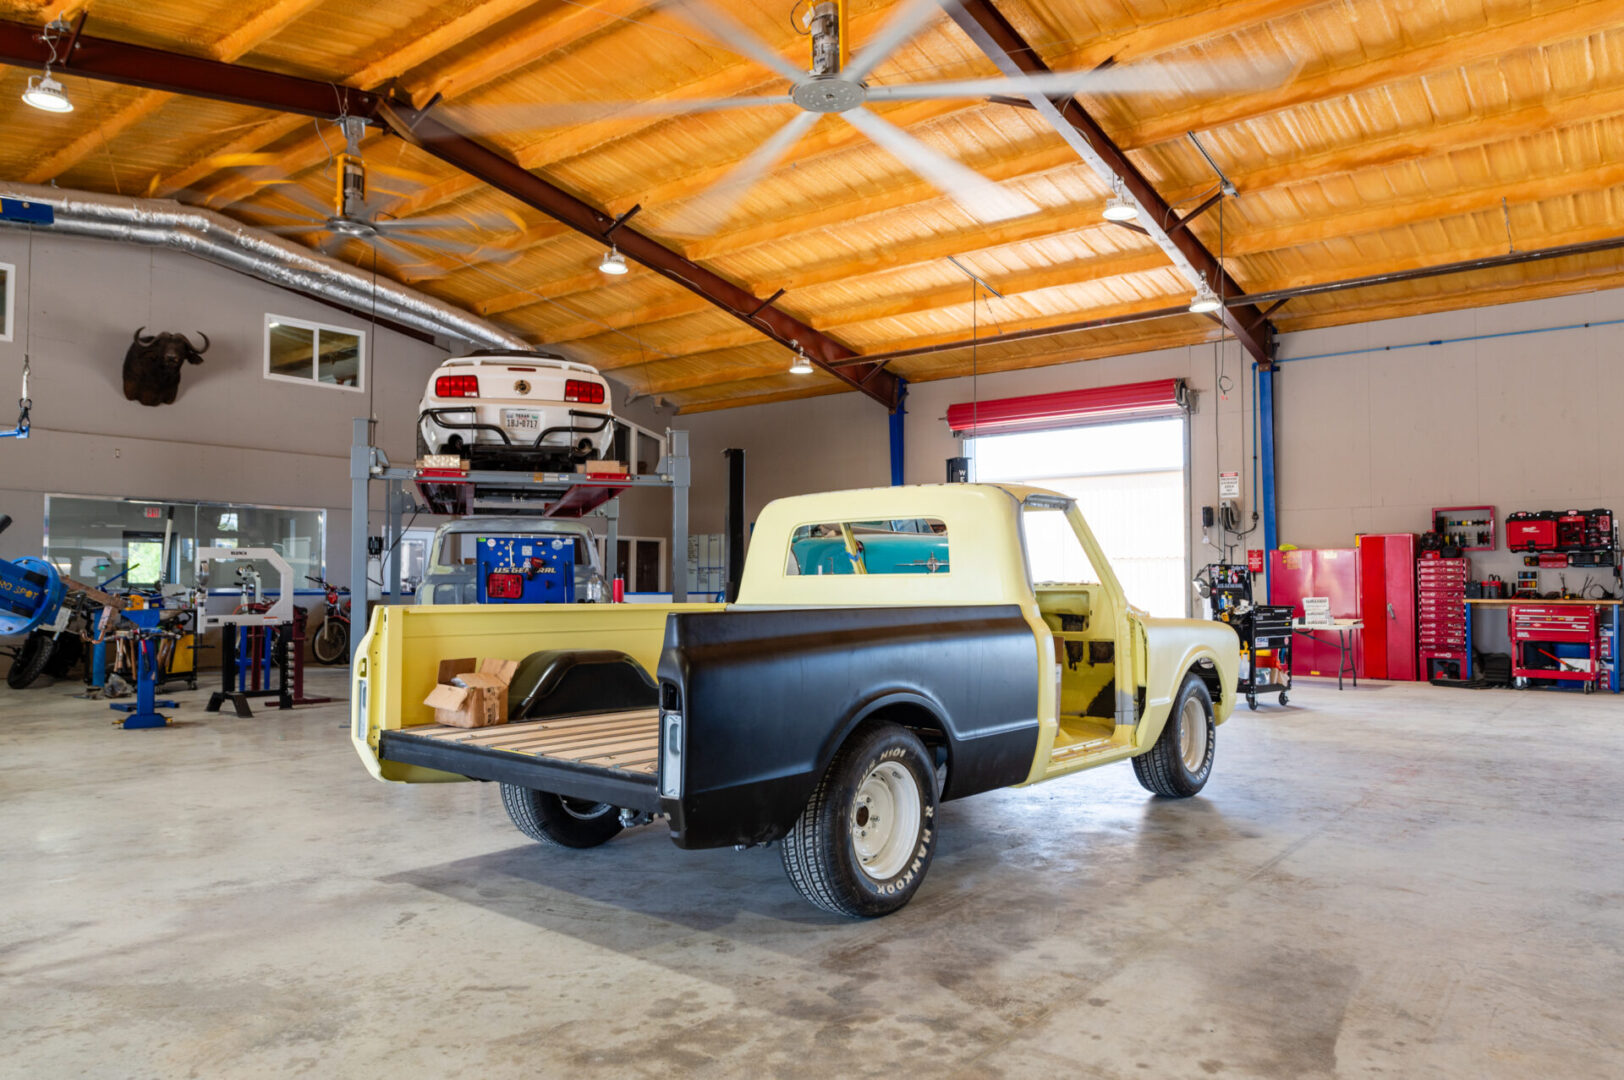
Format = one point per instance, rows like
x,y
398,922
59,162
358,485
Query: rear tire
x,y
553,819
862,845
1181,761
31,660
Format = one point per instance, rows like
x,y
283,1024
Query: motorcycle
x,y
331,645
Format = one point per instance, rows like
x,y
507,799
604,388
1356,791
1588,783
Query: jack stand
x,y
144,712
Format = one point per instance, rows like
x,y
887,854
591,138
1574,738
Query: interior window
x,y
900,546
1053,552
156,543
8,289
313,352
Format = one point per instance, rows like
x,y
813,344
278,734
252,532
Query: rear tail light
x,y
504,586
456,386
587,393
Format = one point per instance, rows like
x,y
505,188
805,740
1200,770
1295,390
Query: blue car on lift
x,y
903,546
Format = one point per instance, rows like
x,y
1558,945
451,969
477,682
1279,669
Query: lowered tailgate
x,y
605,757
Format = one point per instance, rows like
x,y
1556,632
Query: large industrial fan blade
x,y
502,119
978,196
736,36
710,211
908,20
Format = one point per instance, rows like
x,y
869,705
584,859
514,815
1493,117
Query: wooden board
x,y
621,740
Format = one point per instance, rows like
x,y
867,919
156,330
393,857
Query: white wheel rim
x,y
885,820
1193,734
583,810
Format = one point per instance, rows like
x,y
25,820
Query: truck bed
x,y
606,757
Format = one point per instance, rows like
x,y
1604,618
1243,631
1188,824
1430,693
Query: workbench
x,y
1607,613
1344,629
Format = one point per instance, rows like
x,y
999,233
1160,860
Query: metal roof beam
x,y
156,69
992,33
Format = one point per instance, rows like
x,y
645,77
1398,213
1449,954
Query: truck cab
x,y
890,647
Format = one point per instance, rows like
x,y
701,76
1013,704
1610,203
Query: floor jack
x,y
143,712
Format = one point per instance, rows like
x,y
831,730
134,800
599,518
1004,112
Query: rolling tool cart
x,y
1441,605
1264,630
1555,642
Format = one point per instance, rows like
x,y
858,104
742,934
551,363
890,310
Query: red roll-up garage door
x,y
1098,405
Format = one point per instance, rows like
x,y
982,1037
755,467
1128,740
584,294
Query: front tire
x,y
553,819
331,645
862,845
31,660
1181,761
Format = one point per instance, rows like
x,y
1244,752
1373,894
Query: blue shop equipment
x,y
525,569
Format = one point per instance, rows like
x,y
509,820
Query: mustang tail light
x,y
587,393
504,586
456,386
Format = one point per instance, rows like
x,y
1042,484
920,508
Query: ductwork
x,y
225,242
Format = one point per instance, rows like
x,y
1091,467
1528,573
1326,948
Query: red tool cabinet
x,y
1441,617
1385,578
1532,625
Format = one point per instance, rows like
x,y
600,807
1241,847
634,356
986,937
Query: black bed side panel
x,y
769,695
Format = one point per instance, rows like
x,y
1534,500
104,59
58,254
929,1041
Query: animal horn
x,y
205,347
139,340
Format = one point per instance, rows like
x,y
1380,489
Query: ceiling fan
x,y
355,212
835,86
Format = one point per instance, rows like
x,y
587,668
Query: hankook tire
x,y
862,845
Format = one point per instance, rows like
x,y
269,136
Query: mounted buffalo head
x,y
152,366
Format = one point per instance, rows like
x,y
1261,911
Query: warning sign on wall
x,y
1229,485
1254,560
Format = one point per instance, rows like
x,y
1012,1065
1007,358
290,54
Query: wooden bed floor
x,y
622,740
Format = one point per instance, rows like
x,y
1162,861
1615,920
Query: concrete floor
x,y
1399,881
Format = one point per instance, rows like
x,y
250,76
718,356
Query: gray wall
x,y
844,441
1372,442
1366,443
231,435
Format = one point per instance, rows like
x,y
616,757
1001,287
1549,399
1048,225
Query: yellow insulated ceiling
x,y
1401,135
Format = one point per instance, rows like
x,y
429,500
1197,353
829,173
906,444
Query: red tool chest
x,y
1534,625
1440,589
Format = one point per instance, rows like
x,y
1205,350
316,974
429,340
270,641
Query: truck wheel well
x,y
918,719
1207,672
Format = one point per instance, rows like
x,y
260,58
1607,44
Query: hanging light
x,y
613,262
800,365
1117,207
46,94
1206,301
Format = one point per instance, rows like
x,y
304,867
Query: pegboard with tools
x,y
525,570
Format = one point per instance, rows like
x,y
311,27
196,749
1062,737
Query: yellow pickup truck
x,y
890,648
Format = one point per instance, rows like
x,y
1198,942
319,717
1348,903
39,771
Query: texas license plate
x,y
521,420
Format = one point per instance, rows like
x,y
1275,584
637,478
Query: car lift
x,y
464,492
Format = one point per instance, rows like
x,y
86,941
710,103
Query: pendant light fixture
x,y
1206,301
43,92
1117,207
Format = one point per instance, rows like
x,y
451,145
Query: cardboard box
x,y
602,468
472,694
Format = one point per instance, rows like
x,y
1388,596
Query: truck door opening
x,y
1080,614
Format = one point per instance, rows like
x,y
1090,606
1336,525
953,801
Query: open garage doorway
x,y
1128,478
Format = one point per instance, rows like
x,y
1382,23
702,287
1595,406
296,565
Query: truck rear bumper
x,y
611,758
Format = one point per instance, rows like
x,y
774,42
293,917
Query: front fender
x,y
1174,647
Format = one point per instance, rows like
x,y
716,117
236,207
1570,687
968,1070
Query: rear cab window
x,y
885,547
